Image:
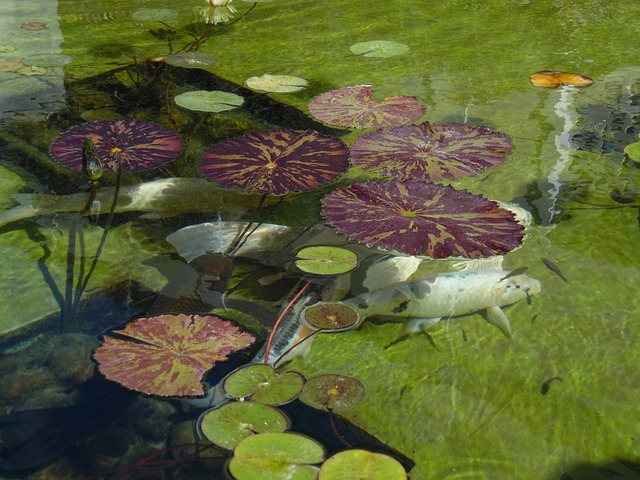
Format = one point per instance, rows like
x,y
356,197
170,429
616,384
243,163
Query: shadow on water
x,y
620,469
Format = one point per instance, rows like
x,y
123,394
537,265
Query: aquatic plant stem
x,y
82,285
284,312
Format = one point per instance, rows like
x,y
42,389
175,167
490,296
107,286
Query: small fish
x,y
425,301
513,273
544,388
553,267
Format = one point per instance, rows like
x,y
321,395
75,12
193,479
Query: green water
x,y
478,405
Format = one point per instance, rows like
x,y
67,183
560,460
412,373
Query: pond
x,y
550,394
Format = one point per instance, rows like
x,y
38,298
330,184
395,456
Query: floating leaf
x,y
263,384
551,79
10,65
422,218
137,145
47,60
277,161
276,83
332,391
191,60
430,151
324,260
633,151
209,101
227,425
355,464
353,107
155,15
379,48
331,316
286,456
168,355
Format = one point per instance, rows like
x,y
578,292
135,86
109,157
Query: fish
x,y
167,197
554,268
424,302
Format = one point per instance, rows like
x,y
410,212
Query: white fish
x,y
425,301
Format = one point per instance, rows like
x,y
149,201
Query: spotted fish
x,y
424,302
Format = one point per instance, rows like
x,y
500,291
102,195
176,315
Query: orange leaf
x,y
550,79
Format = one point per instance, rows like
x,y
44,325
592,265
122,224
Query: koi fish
x,y
424,302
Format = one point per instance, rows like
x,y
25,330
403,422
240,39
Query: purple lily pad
x,y
430,151
278,161
422,218
353,107
137,145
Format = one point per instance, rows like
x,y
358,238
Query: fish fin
x,y
390,271
497,317
479,264
416,325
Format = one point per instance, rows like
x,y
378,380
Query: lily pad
x,y
263,384
354,107
379,48
169,355
326,260
209,101
286,456
277,161
356,464
331,316
552,79
155,15
422,218
430,151
227,425
191,60
633,151
332,391
130,143
276,83
10,65
47,60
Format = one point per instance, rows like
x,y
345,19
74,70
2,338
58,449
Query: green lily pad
x,y
358,464
155,15
379,48
633,151
276,456
263,384
226,426
332,391
332,316
326,260
209,101
276,83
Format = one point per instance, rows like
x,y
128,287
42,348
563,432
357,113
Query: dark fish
x,y
513,273
552,266
544,388
533,319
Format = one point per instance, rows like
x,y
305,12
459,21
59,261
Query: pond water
x,y
558,400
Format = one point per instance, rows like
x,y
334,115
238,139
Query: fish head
x,y
514,289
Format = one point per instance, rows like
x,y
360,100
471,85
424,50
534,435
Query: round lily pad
x,y
190,60
422,218
332,391
263,384
325,260
356,464
286,456
379,48
331,316
155,15
209,101
276,83
227,425
47,60
354,107
633,151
